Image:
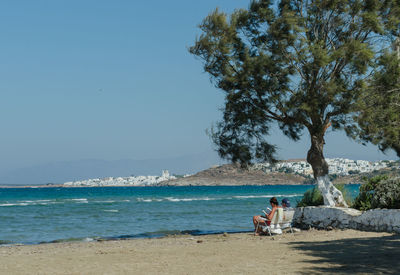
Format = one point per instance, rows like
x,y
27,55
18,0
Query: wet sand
x,y
306,252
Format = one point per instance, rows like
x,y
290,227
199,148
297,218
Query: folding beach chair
x,y
282,219
287,219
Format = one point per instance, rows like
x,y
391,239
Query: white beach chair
x,y
282,219
287,219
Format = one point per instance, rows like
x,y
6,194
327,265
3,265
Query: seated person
x,y
286,204
265,220
288,214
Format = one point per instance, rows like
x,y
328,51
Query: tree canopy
x,y
303,64
378,117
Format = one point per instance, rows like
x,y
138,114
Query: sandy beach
x,y
306,252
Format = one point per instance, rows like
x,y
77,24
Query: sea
x,y
45,215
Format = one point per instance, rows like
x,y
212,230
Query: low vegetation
x,y
313,197
382,191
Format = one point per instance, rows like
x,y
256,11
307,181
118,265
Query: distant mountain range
x,y
60,172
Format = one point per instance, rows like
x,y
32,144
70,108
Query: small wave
x,y
111,210
3,242
147,200
37,201
104,201
163,233
252,197
68,240
84,200
174,199
193,199
29,203
267,196
15,204
88,239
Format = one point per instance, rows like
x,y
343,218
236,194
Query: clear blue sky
x,y
113,80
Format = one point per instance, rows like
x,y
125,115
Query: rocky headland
x,y
231,174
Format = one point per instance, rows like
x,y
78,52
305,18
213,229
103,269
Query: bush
x,y
313,197
379,192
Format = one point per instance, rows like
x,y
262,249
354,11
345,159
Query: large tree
x,y
302,64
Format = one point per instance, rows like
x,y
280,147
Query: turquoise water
x,y
34,215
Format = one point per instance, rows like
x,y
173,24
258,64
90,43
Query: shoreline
x,y
312,251
140,236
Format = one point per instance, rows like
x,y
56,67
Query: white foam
x,y
84,200
14,204
88,239
41,202
145,200
266,196
194,199
111,210
174,199
252,197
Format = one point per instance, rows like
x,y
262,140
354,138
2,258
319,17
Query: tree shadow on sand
x,y
377,255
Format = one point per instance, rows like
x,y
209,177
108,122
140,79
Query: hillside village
x,y
123,181
337,166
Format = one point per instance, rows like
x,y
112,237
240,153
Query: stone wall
x,y
323,217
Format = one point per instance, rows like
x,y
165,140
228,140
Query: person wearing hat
x,y
286,204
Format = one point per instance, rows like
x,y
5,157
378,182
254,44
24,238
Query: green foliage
x,y
379,108
379,192
302,64
313,197
346,195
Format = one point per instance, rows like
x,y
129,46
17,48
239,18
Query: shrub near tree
x,y
301,64
313,197
379,192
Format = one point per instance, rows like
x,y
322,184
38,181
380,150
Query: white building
x,y
119,181
337,166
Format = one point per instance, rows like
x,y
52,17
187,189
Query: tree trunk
x,y
332,196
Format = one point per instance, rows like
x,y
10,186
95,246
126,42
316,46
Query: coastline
x,y
172,183
313,251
